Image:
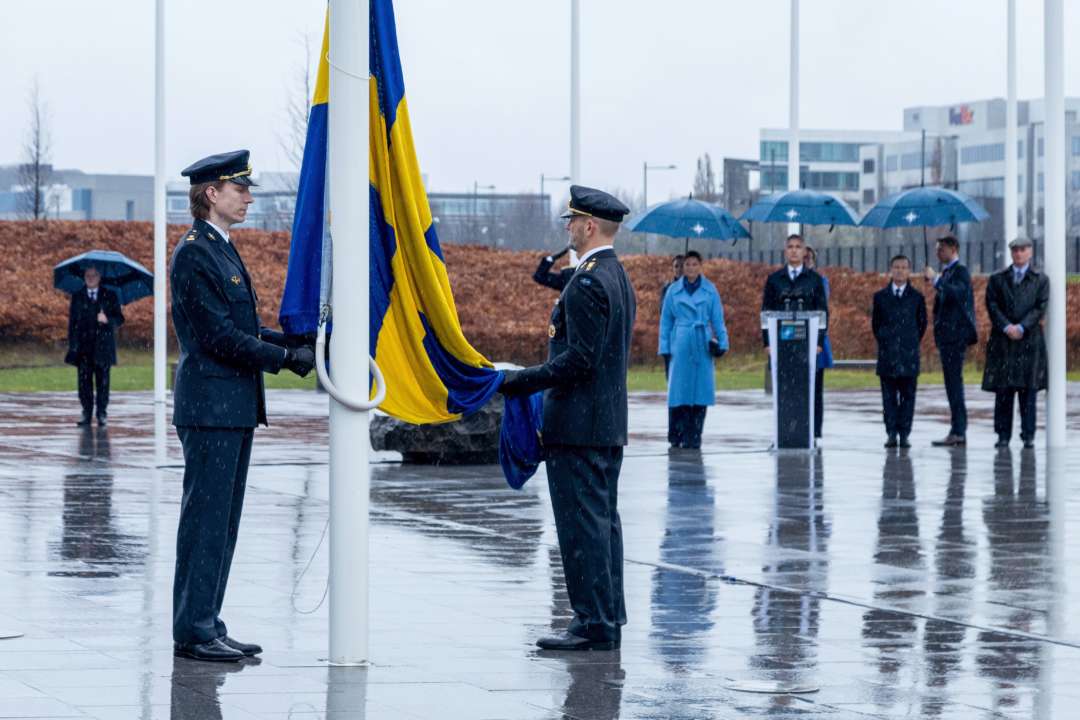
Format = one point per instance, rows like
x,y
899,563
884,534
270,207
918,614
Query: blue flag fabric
x,y
520,449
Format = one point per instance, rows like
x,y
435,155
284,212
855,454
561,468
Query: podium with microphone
x,y
793,335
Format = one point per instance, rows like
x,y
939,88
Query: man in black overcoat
x,y
954,331
218,399
1016,300
92,320
585,421
899,322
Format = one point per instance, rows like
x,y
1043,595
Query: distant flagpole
x,y
575,91
160,271
350,472
793,107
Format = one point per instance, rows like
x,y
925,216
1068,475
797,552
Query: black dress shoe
x,y
249,649
1029,444
950,440
85,422
891,442
569,641
1003,442
210,651
904,442
102,421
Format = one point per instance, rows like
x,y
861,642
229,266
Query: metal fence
x,y
980,256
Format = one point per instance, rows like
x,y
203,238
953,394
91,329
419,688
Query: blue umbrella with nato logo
x,y
806,207
688,218
925,207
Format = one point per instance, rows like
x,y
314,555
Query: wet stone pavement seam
x,y
929,584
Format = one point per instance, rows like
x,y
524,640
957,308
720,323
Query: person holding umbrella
x,y
92,319
954,331
692,333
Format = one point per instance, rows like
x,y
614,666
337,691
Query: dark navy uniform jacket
x,y
223,350
585,375
555,281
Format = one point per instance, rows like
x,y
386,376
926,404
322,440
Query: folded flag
x,y
520,449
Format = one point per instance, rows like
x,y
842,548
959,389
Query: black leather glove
x,y
714,348
299,360
556,256
508,386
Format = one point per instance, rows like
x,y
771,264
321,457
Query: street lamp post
x,y
645,168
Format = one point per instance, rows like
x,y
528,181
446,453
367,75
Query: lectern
x,y
793,341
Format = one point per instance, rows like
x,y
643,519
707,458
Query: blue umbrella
x,y
130,280
806,207
688,218
924,207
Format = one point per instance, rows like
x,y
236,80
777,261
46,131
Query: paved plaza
x,y
928,583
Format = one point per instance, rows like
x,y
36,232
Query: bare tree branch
x,y
35,170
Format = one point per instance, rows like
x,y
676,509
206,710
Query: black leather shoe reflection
x,y
595,688
195,688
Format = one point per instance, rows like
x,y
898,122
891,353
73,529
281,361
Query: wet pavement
x,y
928,583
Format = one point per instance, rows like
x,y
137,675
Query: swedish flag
x,y
432,372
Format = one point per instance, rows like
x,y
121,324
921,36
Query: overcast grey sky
x,y
487,79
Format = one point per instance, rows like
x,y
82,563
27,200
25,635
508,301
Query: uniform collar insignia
x,y
235,279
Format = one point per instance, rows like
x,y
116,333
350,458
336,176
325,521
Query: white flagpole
x,y
160,269
575,91
793,108
1011,179
350,472
1054,254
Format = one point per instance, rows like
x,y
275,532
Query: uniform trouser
x,y
584,486
92,375
215,475
685,424
819,401
952,366
1003,412
898,404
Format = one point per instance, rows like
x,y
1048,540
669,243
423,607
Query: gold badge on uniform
x,y
551,331
235,279
590,265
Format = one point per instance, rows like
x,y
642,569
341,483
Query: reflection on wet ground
x,y
928,583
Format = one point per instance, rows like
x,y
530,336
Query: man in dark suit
x,y
1016,300
795,287
899,322
218,399
94,315
954,330
585,421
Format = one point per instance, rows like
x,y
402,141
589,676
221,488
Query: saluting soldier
x,y
219,399
554,280
584,424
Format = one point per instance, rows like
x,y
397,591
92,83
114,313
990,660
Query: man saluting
x,y
219,399
584,425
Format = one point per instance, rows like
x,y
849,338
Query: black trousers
x,y
952,366
819,401
91,377
685,423
898,404
1003,412
584,486
215,475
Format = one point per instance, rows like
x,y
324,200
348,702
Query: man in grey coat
x,y
1016,300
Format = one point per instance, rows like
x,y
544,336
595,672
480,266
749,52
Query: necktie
x,y
898,292
1018,275
93,296
794,274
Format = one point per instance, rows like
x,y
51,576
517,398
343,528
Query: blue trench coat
x,y
687,321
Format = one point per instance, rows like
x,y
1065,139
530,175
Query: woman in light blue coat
x,y
692,333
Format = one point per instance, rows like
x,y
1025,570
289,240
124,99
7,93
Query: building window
x,y
829,152
982,153
983,188
1020,149
82,200
1042,147
773,151
890,163
1020,183
1040,217
129,210
1041,183
1076,218
911,161
1076,145
773,179
868,197
868,166
1076,180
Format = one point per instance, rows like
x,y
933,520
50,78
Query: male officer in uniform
x,y
584,425
219,399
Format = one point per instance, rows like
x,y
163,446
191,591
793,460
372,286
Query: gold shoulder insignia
x,y
190,236
235,279
590,265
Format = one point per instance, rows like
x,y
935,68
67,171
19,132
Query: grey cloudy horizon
x,y
487,80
